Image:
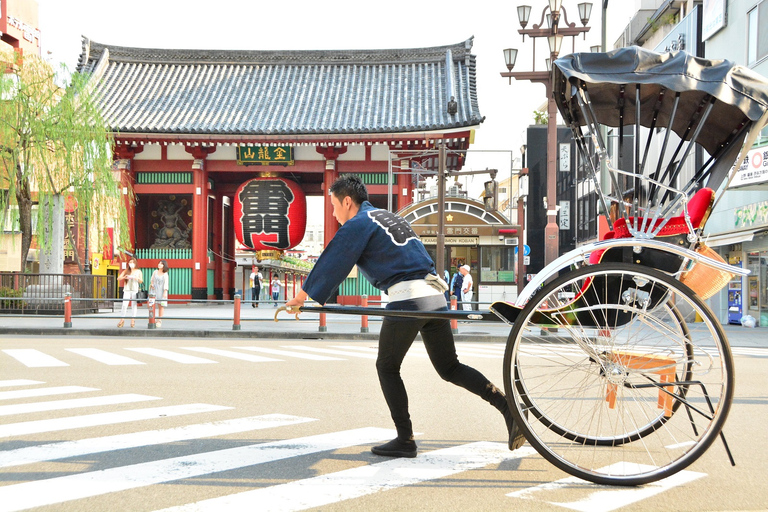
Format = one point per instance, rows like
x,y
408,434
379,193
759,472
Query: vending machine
x,y
735,299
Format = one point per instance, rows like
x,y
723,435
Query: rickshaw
x,y
615,368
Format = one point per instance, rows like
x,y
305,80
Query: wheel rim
x,y
593,395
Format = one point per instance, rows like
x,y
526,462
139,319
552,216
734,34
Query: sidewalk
x,y
216,321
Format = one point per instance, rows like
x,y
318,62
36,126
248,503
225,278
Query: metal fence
x,y
44,293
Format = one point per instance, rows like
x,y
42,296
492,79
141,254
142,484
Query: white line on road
x,y
105,418
96,483
286,353
56,390
173,356
103,356
333,352
233,355
361,481
32,358
54,451
73,403
605,498
18,382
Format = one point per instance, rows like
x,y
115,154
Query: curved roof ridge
x,y
92,51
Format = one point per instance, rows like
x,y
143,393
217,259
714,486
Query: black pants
x,y
396,337
255,291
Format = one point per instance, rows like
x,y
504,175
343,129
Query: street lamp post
x,y
554,32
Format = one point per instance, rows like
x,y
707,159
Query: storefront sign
x,y
450,240
270,213
265,155
753,170
565,215
755,214
70,229
713,18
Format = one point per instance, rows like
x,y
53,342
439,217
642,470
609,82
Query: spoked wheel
x,y
621,374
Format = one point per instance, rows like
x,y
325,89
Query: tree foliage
x,y
54,141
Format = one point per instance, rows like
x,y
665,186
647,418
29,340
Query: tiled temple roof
x,y
284,93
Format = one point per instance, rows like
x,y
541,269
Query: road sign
x,y
526,250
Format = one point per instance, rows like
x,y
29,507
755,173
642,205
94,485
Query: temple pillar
x,y
330,224
199,222
218,249
123,156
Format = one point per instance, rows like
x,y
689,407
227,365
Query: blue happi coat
x,y
383,246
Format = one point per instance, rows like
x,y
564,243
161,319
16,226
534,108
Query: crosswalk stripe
x,y
95,483
361,481
473,353
73,403
18,382
468,346
36,392
173,356
66,449
105,418
333,352
33,358
103,356
413,352
286,353
603,498
234,355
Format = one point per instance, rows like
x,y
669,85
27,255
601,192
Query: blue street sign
x,y
526,250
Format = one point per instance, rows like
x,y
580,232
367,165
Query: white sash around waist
x,y
405,290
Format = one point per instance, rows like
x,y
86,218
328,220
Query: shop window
x,y
497,264
757,33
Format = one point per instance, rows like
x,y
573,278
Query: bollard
x,y
151,306
364,318
323,327
236,323
67,310
454,322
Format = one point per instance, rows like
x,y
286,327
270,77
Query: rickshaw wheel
x,y
604,357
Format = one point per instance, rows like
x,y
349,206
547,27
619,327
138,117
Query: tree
x,y
54,142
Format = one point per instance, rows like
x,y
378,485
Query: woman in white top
x,y
275,288
132,278
158,286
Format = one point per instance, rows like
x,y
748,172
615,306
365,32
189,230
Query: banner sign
x,y
265,155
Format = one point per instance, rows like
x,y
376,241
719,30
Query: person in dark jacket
x,y
456,282
390,255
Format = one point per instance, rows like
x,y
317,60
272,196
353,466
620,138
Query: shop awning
x,y
730,238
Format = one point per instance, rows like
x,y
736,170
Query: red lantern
x,y
270,214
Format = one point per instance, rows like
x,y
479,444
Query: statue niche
x,y
171,232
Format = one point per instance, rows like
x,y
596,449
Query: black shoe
x,y
253,305
516,437
396,448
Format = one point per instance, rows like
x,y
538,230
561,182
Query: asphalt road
x,y
122,423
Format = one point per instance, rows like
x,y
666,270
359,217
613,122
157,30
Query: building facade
x,y
191,126
735,30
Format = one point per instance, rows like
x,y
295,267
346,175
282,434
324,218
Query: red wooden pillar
x,y
199,222
218,249
123,162
331,154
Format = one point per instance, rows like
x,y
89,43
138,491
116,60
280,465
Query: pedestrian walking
x,y
132,279
466,288
390,255
455,287
158,287
256,281
275,288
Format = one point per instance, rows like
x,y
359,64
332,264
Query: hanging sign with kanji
x,y
270,213
265,155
